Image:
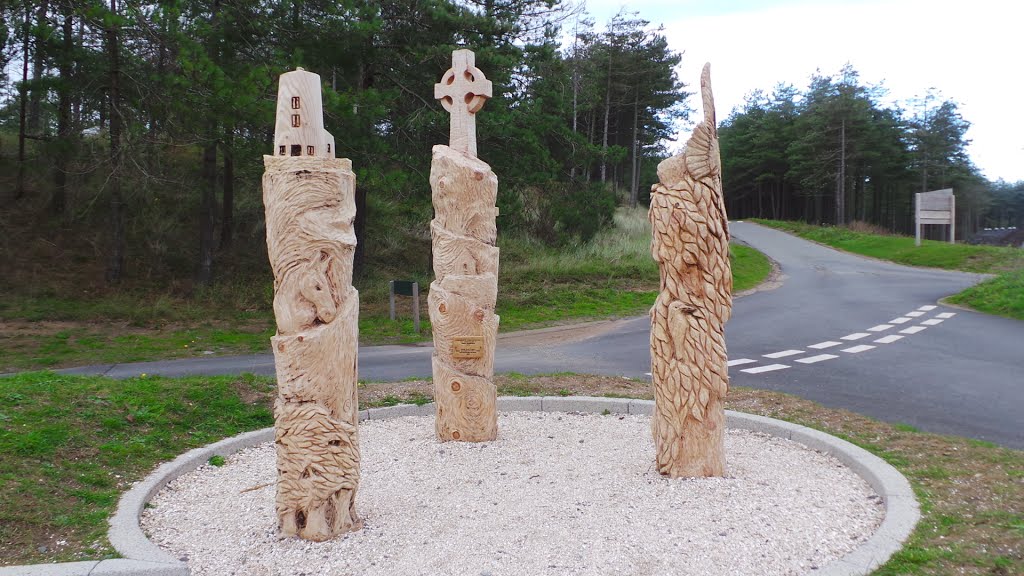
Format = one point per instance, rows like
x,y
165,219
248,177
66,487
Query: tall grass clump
x,y
620,249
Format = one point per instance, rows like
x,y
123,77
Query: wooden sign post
x,y
406,288
689,364
938,207
465,288
310,204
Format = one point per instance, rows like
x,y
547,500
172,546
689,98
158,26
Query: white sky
x,y
971,51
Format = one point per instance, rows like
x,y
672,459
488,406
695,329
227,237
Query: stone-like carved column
x,y
688,356
310,205
465,288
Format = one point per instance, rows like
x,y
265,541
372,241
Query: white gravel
x,y
555,494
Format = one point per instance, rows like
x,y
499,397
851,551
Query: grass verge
x,y
71,445
611,276
1002,295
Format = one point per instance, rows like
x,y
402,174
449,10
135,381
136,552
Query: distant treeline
x,y
137,128
834,153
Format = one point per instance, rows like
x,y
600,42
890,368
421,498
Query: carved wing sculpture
x,y
690,242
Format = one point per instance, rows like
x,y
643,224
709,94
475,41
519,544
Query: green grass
x,y
69,446
1002,295
749,267
611,276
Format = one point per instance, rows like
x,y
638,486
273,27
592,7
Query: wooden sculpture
x,y
465,288
310,204
688,357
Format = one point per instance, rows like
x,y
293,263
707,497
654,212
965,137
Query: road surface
x,y
843,330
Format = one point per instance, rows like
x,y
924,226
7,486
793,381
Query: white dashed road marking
x,y
858,349
768,368
818,358
823,345
784,353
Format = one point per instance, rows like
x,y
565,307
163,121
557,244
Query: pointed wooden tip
x,y
707,97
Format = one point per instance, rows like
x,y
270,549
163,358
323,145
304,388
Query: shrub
x,y
558,213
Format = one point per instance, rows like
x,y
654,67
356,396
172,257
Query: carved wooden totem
x,y
310,204
463,295
688,356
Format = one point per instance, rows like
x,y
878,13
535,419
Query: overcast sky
x,y
971,51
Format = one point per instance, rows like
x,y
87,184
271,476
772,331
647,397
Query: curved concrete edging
x,y
143,558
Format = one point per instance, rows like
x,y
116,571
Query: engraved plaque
x,y
468,348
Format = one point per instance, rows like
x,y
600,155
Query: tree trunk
x,y
841,178
76,101
115,262
634,184
65,145
38,85
227,211
575,100
19,190
207,208
359,258
607,113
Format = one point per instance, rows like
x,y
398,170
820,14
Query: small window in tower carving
x,y
280,150
310,151
328,148
295,102
296,121
296,149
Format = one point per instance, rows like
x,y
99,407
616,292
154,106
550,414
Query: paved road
x,y
842,330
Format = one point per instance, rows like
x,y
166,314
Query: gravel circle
x,y
556,493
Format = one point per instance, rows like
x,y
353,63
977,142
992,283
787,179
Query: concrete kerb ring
x,y
143,558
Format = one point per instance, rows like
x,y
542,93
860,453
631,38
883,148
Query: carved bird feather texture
x,y
310,206
463,294
690,242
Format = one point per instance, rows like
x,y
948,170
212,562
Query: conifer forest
x,y
132,131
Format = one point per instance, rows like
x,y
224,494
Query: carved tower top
x,y
462,91
299,129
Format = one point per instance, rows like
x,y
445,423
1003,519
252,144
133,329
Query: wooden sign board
x,y
468,348
938,207
406,288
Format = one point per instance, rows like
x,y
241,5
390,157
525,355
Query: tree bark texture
x,y
310,205
227,209
688,354
115,260
38,68
207,208
19,190
64,129
463,295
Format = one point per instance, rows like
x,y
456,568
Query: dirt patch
x,y
560,334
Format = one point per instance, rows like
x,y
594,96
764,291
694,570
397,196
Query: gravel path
x,y
555,494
